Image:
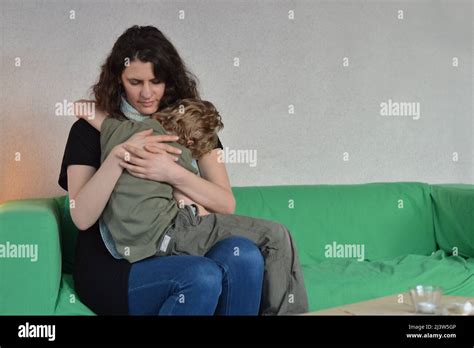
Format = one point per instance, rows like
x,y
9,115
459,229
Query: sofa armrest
x,y
453,212
30,257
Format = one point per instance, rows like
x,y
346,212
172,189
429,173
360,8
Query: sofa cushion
x,y
338,282
68,302
379,220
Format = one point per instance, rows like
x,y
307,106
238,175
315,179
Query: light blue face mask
x,y
130,112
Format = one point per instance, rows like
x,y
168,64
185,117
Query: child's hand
x,y
202,211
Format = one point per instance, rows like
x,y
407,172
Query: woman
x,y
151,75
190,234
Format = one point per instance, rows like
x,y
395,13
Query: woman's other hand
x,y
157,166
144,140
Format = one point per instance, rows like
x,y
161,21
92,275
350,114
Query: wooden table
x,y
398,304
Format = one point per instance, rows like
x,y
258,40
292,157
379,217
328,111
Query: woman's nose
x,y
145,93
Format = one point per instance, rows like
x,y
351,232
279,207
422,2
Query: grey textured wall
x,y
310,117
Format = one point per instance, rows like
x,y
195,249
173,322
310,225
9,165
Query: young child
x,y
139,211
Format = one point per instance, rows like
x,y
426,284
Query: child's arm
x,y
86,110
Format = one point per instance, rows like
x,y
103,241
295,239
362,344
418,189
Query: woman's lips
x,y
147,104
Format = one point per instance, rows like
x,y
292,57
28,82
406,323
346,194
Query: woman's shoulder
x,y
81,126
82,147
83,135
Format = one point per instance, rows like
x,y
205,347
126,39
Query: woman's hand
x,y
156,165
143,140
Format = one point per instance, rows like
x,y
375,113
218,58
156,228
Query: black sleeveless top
x,y
101,281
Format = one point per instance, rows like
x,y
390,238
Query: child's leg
x,y
283,288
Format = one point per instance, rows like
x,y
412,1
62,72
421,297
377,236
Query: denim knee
x,y
206,278
238,251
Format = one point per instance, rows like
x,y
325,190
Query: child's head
x,y
196,122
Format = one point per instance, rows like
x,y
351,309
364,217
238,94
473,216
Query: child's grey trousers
x,y
283,285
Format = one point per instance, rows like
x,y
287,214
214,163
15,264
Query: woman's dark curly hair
x,y
147,44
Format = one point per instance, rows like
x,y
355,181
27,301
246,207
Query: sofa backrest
x,y
364,222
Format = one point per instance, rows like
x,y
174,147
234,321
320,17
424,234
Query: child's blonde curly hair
x,y
195,121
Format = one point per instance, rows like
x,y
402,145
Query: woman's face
x,y
142,89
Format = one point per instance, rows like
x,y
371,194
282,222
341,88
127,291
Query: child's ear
x,y
190,142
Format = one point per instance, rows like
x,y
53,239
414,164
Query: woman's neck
x,y
130,112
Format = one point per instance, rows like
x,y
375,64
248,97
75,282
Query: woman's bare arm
x,y
90,189
212,190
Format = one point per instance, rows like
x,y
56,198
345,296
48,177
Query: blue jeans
x,y
226,281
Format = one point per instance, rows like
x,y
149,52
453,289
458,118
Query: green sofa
x,y
355,242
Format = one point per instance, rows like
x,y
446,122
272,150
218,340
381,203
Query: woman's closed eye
x,y
138,82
